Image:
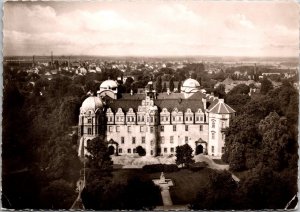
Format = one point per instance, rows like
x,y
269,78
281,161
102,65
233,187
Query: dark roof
x,y
181,104
169,101
165,95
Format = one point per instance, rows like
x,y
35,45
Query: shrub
x,y
160,168
141,151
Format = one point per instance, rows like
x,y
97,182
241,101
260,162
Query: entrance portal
x,y
111,150
199,149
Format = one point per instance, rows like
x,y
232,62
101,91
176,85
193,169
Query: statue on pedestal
x,y
162,178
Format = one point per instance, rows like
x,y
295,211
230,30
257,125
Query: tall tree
x,y
158,85
165,87
266,86
171,84
179,87
184,155
98,177
275,137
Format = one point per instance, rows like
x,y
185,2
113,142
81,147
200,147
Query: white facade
x,y
157,129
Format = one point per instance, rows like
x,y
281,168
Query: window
x,y
212,135
110,128
129,128
143,140
89,121
134,150
148,119
174,128
139,119
186,139
223,150
117,118
151,119
89,131
151,152
128,119
186,128
191,118
110,119
201,118
120,150
143,119
171,139
141,128
197,118
162,139
186,118
132,119
213,124
165,150
162,128
179,118
167,118
201,127
122,140
212,149
173,118
151,129
172,149
128,150
133,140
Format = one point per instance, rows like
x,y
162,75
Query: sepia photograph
x,y
150,105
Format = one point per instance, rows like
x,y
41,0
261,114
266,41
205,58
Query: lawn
x,y
186,183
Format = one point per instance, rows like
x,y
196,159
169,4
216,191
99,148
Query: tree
x,y
275,137
165,87
158,85
266,86
218,194
184,155
220,91
237,101
242,137
98,177
240,89
179,87
141,151
171,84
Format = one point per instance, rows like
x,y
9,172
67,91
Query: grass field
x,y
186,183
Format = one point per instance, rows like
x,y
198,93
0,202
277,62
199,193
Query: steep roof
x,y
220,108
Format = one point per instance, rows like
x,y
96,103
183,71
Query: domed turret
x,y
92,103
108,88
190,86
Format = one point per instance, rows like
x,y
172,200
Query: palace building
x,y
158,122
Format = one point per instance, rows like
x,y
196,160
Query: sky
x,y
152,28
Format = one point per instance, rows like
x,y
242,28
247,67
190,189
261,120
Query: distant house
x,y
230,83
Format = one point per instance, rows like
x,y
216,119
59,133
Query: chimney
x,y
204,103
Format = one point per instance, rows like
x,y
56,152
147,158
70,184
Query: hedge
x,y
160,168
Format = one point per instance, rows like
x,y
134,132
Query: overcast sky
x,y
152,28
